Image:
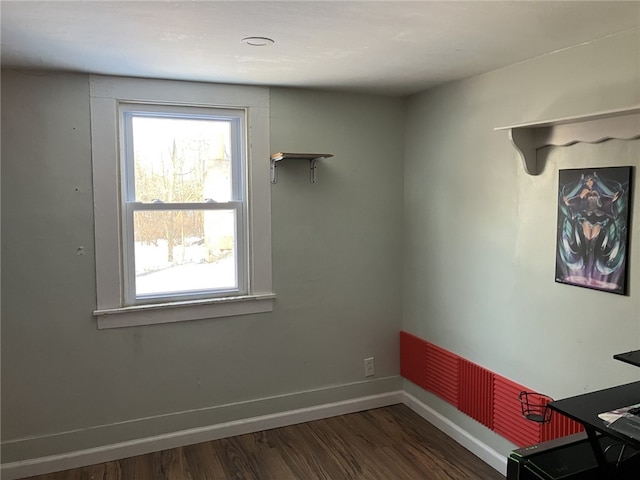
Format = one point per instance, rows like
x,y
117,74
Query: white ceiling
x,y
388,47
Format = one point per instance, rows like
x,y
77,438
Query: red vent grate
x,y
475,393
442,373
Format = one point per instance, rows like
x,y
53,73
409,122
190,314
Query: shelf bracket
x,y
313,164
312,157
523,141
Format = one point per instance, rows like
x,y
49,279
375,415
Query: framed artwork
x,y
593,228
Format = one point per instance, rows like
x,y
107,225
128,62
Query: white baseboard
x,y
81,458
464,438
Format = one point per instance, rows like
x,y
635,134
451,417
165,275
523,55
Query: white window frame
x,y
237,119
106,96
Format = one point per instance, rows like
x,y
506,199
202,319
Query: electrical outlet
x,y
369,367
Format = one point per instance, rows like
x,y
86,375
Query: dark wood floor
x,y
386,443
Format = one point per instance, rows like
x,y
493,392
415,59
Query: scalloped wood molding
x,y
527,138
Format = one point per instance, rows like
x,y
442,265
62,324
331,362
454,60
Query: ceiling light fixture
x,y
257,41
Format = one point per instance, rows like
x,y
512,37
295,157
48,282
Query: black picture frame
x,y
593,228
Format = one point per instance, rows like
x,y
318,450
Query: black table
x,y
632,357
585,408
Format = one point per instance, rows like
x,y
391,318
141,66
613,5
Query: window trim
x,y
105,95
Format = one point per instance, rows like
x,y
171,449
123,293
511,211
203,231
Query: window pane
x,y
179,251
181,159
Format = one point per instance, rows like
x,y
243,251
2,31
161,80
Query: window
x,y
181,200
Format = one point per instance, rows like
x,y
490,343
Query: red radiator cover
x,y
485,396
442,373
507,414
560,426
413,359
475,394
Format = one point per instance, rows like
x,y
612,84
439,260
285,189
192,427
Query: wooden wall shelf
x,y
527,138
311,157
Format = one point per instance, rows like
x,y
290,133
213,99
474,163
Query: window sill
x,y
183,311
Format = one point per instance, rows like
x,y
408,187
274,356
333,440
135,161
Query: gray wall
x,y
337,275
466,262
479,236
